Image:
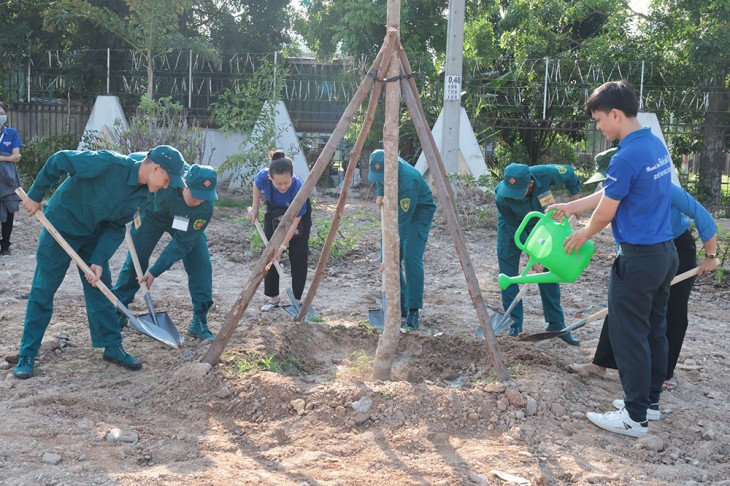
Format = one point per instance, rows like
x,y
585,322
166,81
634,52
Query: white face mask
x,y
3,119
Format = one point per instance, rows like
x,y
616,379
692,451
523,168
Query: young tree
x,y
152,26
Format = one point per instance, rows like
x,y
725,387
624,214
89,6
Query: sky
x,y
639,5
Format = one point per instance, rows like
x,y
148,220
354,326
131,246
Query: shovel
x,y
156,333
152,319
593,317
376,317
294,308
500,322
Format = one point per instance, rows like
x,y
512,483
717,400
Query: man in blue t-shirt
x,y
637,202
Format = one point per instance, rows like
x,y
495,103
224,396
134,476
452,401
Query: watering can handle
x,y
528,217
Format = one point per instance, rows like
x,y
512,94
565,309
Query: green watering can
x,y
544,245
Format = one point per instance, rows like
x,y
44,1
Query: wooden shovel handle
x,y
133,253
266,242
70,251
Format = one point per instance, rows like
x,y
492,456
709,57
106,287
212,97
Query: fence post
x,y
641,87
190,80
544,96
108,56
27,81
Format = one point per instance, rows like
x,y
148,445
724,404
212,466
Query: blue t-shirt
x,y
276,198
9,140
684,207
639,176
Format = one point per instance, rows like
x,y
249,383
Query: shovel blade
x,y
500,322
164,322
541,336
311,313
376,319
290,309
146,326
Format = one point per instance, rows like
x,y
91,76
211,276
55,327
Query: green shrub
x,y
36,152
156,122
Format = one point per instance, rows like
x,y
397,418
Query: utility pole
x,y
452,87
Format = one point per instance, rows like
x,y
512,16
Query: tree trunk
x,y
388,343
712,156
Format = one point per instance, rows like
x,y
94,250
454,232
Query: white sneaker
x,y
618,422
651,414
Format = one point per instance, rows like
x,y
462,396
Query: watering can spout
x,y
538,278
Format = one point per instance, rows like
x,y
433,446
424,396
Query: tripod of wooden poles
x,y
391,68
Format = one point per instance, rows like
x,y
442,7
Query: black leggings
x,y
7,228
298,257
677,321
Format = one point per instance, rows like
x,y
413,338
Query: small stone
x,y
192,371
557,409
515,398
118,435
708,435
4,365
474,416
502,404
363,405
531,407
361,418
224,392
297,405
652,443
495,388
263,447
340,411
51,458
449,375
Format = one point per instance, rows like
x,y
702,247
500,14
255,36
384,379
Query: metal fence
x,y
45,119
316,93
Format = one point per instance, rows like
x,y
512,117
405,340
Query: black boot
x,y
4,247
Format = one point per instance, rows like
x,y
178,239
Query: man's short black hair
x,y
618,95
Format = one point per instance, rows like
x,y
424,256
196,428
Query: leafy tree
x,y
241,25
357,27
152,26
238,111
692,39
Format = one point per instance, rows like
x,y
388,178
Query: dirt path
x,y
442,420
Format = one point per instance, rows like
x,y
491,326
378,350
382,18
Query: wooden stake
x,y
349,175
259,268
445,192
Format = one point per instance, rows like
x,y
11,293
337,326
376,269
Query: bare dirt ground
x,y
441,420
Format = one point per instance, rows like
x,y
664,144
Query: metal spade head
x,y
376,318
500,322
146,326
311,313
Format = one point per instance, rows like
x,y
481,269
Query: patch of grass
x,y
317,319
519,369
387,395
231,202
255,360
360,362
